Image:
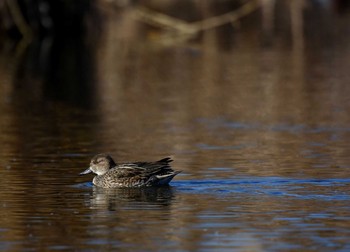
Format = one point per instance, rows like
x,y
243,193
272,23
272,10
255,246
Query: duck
x,y
110,174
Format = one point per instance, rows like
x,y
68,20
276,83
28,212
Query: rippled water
x,y
261,134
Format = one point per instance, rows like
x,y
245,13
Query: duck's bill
x,y
85,172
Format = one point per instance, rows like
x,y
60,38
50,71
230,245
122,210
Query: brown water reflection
x,y
260,130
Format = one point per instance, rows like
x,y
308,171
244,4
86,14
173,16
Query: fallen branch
x,y
164,21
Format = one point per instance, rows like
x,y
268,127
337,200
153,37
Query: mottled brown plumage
x,y
137,174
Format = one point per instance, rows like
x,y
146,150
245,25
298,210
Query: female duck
x,y
138,174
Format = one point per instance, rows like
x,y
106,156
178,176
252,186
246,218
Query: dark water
x,y
262,135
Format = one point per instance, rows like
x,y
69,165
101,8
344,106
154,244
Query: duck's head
x,y
100,164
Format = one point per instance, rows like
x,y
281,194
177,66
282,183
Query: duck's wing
x,y
144,169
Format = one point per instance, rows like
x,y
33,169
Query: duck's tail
x,y
160,180
165,160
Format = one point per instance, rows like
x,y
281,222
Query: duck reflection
x,y
117,198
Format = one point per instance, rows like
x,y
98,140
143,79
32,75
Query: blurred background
x,y
137,63
120,76
250,97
